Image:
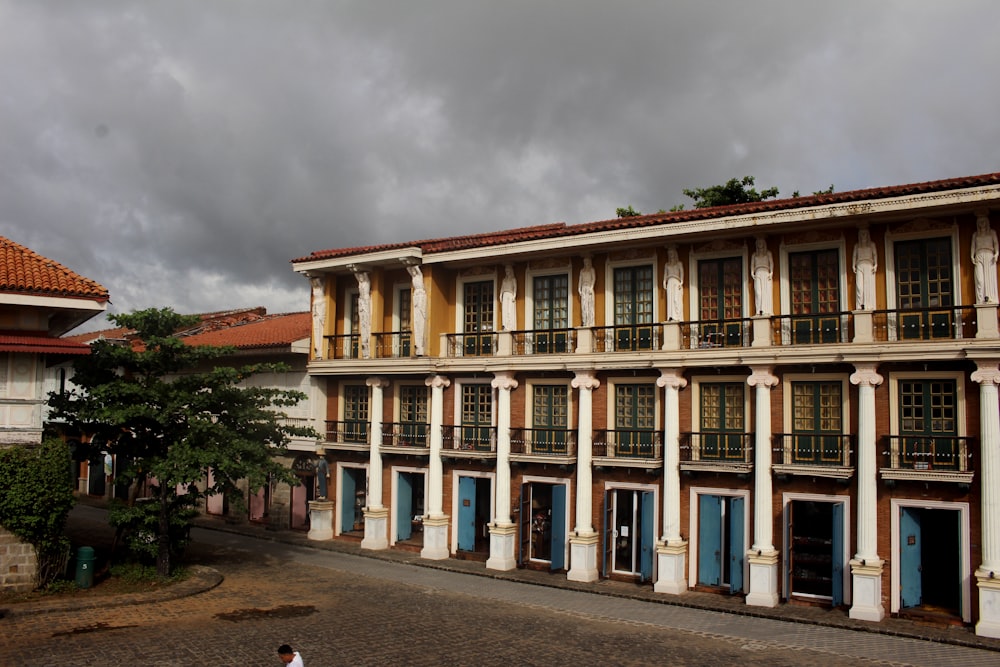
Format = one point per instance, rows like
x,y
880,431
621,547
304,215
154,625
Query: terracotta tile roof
x,y
118,333
280,330
39,342
24,271
561,229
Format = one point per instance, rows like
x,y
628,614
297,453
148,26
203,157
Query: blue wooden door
x,y
466,513
910,575
710,540
347,496
837,575
558,527
737,553
648,532
404,506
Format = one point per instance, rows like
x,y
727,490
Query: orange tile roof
x,y
24,271
39,342
278,330
556,230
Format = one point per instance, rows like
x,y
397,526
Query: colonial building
x,y
40,300
794,401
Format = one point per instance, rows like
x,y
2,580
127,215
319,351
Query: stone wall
x,y
18,564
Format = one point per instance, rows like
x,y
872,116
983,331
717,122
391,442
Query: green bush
x,y
35,499
138,525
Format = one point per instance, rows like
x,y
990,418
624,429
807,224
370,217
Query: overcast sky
x,y
182,153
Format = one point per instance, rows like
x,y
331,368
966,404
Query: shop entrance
x,y
816,550
410,507
930,556
473,516
542,525
353,497
629,533
721,542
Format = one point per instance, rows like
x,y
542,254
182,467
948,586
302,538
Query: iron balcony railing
x,y
716,447
711,334
628,443
931,323
405,434
347,432
544,341
472,344
925,452
628,337
469,438
815,449
812,329
543,441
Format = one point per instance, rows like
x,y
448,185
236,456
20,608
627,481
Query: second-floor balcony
x,y
943,458
405,436
717,452
348,434
469,441
813,454
543,444
634,448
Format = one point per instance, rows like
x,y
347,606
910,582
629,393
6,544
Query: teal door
x,y
404,506
348,488
558,527
646,537
736,552
910,576
710,540
466,514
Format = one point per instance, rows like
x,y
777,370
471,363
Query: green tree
x,y
732,192
627,212
154,404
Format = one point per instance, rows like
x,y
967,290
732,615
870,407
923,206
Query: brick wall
x,y
18,565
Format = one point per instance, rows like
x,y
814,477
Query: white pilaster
x,y
762,557
436,522
376,515
583,541
671,554
320,520
866,567
501,533
988,574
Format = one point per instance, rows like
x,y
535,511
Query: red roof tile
x,y
39,342
26,272
270,331
556,230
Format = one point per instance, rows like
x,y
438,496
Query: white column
x,y
866,567
583,541
436,522
503,533
988,574
671,553
762,557
376,515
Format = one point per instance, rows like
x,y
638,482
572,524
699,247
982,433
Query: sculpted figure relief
x,y
586,290
984,259
508,299
364,312
418,295
318,316
673,284
762,270
865,264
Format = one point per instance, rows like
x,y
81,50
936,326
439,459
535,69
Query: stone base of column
x,y
989,604
763,579
671,573
502,538
435,538
583,558
376,529
866,590
320,520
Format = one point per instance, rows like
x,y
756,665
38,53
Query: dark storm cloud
x,y
182,152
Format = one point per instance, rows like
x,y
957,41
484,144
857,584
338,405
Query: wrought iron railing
x,y
716,447
628,337
815,449
404,434
956,322
469,438
628,443
925,452
543,441
348,432
812,329
544,341
711,334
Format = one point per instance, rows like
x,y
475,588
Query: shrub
x,y
35,499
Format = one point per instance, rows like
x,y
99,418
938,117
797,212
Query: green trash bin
x,y
85,567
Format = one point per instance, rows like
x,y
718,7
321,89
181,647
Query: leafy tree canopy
x,y
628,212
733,191
172,411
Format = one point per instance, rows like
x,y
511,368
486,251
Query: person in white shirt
x,y
290,657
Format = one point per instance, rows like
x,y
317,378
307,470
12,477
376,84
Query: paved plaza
x,y
342,608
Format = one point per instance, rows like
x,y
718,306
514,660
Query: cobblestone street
x,y
341,609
